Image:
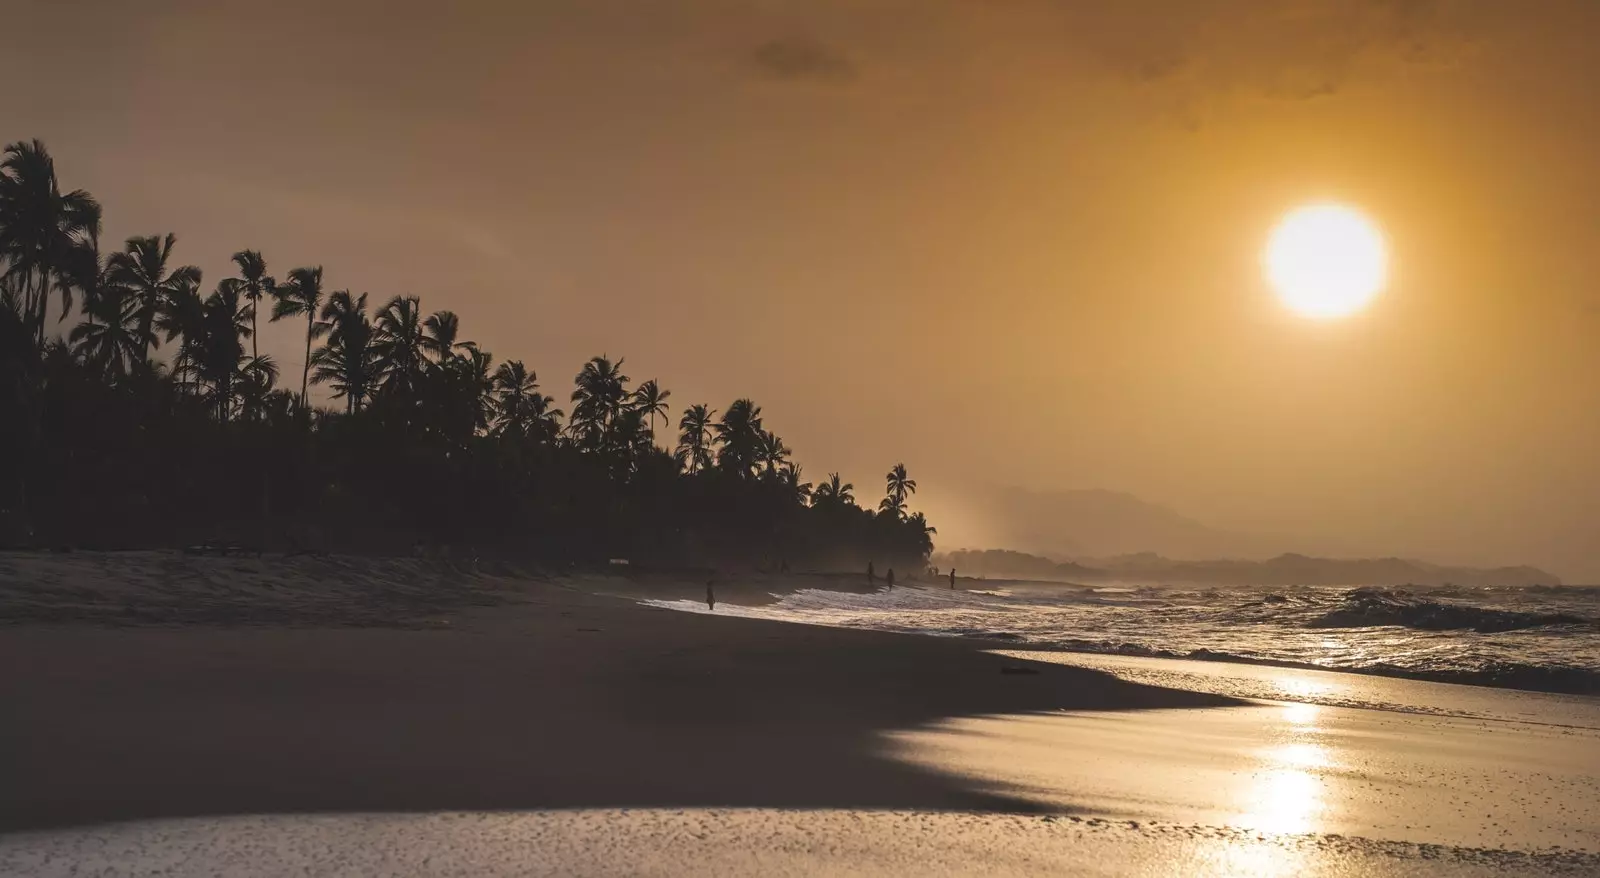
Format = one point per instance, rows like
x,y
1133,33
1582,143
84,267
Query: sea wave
x,y
1527,638
1378,607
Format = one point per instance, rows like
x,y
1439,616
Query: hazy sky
x,y
1005,242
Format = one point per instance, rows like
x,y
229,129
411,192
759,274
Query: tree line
x,y
155,419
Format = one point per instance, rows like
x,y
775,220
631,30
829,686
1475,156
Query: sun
x,y
1326,260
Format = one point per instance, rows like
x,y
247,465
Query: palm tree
x,y
400,344
347,363
39,227
521,411
82,270
182,315
227,318
142,267
651,401
834,491
254,387
924,533
342,312
739,437
301,294
899,487
694,438
255,284
789,477
600,395
439,335
476,386
772,452
110,339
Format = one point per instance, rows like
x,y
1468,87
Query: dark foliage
x,y
432,442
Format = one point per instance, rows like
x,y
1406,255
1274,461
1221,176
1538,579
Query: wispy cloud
x,y
802,58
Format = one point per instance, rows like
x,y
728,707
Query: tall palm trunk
x,y
255,351
41,304
305,373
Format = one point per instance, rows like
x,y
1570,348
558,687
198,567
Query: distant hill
x,y
1019,565
1083,523
1283,570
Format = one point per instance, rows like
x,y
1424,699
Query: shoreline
x,y
551,698
534,698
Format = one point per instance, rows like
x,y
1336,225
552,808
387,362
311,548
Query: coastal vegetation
x,y
137,409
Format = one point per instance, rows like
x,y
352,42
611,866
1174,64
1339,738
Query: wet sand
x,y
553,697
493,722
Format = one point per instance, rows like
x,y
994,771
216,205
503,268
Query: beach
x,y
196,715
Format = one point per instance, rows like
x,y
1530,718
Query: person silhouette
x,y
871,576
711,597
890,579
952,579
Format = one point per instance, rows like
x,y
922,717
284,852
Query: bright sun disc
x,y
1326,260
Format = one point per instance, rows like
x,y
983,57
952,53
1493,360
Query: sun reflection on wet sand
x,y
1287,792
1284,796
1281,769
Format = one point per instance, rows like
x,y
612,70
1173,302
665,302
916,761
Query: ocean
x,y
1539,638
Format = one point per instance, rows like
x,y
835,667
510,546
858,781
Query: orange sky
x,y
1005,242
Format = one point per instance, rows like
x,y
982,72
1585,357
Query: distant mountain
x,y
1018,565
1075,524
1283,570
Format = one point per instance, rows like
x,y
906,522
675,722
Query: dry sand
x,y
440,719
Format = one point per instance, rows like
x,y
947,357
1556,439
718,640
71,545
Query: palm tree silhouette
x,y
254,387
739,437
790,477
834,491
600,396
440,331
347,362
181,316
401,344
771,451
651,401
473,386
694,438
226,318
342,312
301,293
899,486
255,284
142,267
40,227
110,339
520,410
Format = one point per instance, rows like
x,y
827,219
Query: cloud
x,y
802,58
1284,50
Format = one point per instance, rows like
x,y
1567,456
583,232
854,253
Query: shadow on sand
x,y
571,702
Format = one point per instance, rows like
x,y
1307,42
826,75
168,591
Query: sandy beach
x,y
197,715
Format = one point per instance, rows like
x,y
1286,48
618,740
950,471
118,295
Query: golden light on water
x,y
1326,261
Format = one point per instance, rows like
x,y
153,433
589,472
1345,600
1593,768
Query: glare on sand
x,y
1326,261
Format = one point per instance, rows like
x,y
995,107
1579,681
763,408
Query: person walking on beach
x,y
952,579
711,597
889,579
